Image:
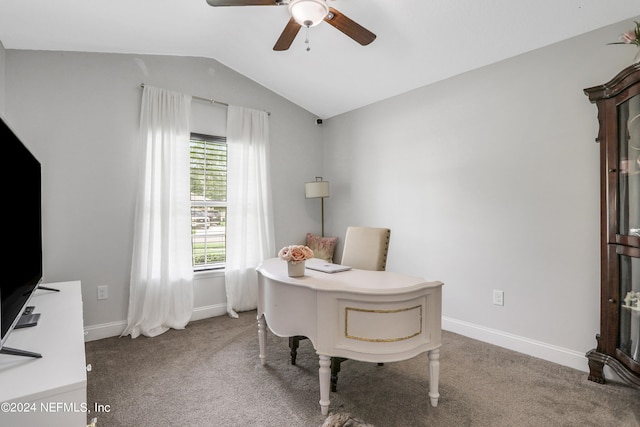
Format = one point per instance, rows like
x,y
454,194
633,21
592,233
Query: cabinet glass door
x,y
629,167
630,306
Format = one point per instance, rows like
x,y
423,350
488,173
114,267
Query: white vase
x,y
296,269
636,58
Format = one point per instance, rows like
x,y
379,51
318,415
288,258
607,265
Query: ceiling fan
x,y
307,13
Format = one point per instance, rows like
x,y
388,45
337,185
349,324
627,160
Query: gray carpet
x,y
209,375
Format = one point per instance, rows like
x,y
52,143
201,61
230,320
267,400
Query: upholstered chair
x,y
365,248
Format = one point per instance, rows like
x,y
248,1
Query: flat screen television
x,y
22,263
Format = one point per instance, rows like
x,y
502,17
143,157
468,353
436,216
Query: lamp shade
x,y
308,13
316,189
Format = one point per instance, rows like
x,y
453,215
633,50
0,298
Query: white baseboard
x,y
114,329
200,313
104,330
551,353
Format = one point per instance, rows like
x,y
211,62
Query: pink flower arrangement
x,y
630,37
295,253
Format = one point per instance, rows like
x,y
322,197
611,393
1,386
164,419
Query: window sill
x,y
203,274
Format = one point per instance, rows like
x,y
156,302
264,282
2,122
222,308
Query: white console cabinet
x,y
52,390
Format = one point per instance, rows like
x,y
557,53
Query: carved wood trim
x,y
619,83
598,359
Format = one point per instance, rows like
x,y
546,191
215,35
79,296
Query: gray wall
x,y
79,113
489,180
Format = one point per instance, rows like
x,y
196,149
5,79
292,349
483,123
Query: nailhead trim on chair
x,y
386,251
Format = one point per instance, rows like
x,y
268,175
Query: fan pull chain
x,y
307,40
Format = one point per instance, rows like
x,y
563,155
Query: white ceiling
x,y
418,41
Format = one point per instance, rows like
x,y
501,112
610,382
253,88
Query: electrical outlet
x,y
498,297
103,292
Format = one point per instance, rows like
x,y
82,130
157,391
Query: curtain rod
x,y
209,100
200,98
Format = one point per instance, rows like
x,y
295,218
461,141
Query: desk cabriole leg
x,y
434,376
324,374
262,332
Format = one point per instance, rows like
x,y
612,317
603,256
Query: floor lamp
x,y
317,189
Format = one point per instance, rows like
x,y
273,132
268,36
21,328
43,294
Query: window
x,y
208,201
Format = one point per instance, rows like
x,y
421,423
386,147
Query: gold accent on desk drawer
x,y
362,310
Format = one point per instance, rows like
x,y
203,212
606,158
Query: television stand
x,y
16,352
51,390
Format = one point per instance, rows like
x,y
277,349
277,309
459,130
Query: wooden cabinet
x,y
618,343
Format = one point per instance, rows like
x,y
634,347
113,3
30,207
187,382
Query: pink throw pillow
x,y
322,247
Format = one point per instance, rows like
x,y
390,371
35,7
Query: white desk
x,y
51,391
372,316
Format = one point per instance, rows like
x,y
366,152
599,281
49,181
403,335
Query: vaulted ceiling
x,y
418,41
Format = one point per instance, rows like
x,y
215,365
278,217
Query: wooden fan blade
x,y
349,27
288,35
242,2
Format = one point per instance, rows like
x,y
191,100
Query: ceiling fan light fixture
x,y
308,13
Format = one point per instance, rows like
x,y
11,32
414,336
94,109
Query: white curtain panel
x,y
161,294
250,235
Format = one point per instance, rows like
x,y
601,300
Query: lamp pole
x,y
322,204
